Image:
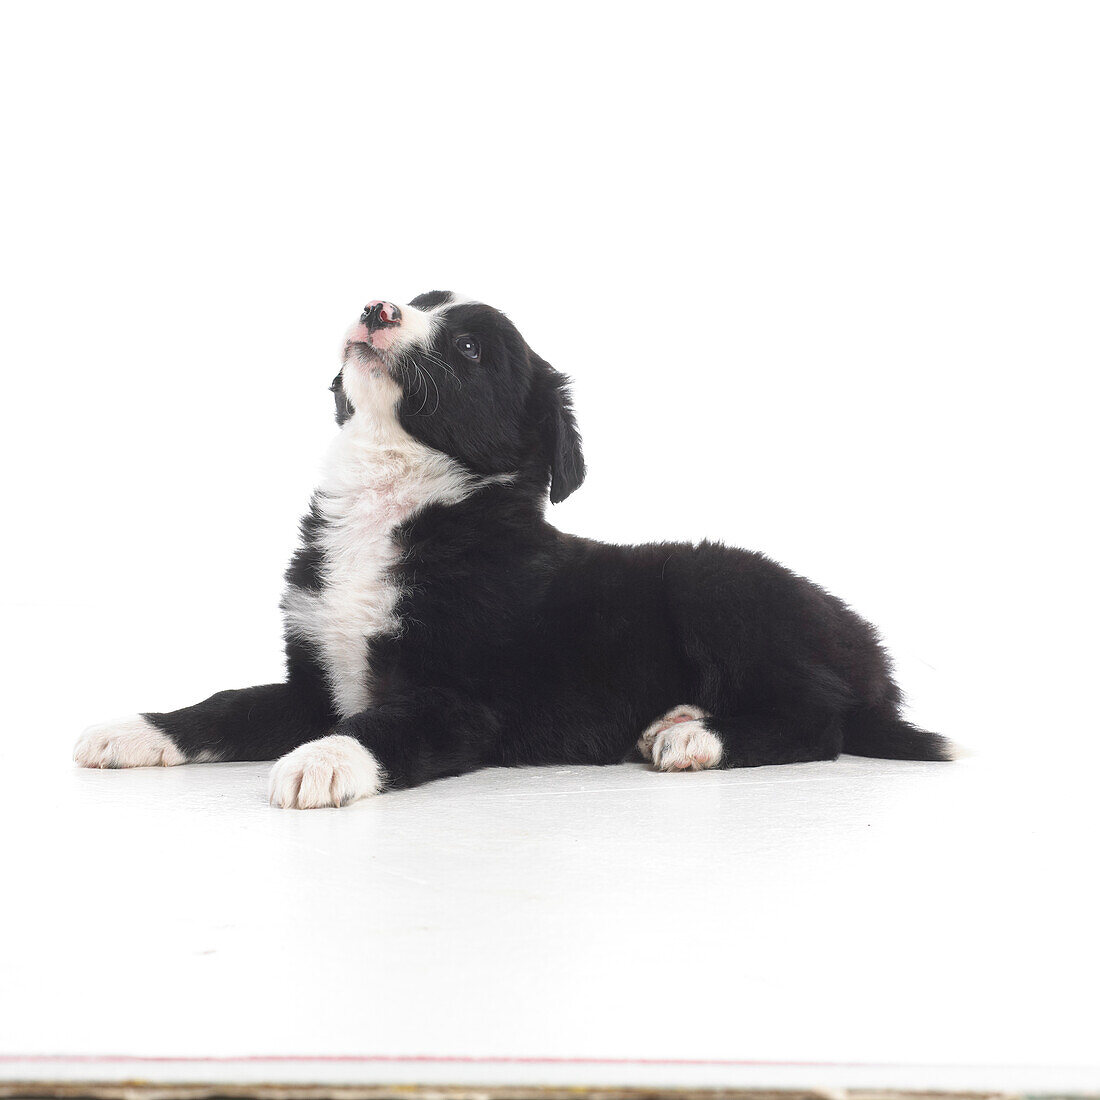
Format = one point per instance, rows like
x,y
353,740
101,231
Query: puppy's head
x,y
457,376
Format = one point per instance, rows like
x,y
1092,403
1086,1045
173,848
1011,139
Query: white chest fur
x,y
373,482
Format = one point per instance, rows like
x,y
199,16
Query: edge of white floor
x,y
534,1073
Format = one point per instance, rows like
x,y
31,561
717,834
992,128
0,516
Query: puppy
x,y
435,623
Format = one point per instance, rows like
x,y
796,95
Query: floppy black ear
x,y
562,438
343,405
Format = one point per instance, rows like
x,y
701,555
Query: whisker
x,y
405,363
424,400
437,395
445,365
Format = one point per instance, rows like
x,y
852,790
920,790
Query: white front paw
x,y
331,771
128,743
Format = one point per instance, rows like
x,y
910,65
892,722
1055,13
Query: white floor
x,y
855,923
862,922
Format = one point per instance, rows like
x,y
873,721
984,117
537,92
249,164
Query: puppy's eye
x,y
469,347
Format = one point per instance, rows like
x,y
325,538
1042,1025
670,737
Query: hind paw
x,y
678,741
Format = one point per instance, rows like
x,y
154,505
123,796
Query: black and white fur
x,y
437,624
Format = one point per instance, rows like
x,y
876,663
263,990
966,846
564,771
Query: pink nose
x,y
380,313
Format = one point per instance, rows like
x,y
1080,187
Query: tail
x,y
873,733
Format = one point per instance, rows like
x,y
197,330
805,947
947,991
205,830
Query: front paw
x,y
127,743
332,771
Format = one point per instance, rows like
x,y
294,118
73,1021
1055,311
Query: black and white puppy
x,y
436,623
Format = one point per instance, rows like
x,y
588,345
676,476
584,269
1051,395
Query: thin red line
x,y
504,1060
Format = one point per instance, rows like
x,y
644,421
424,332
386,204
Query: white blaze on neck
x,y
376,477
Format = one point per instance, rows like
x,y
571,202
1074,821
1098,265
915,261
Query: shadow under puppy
x,y
435,623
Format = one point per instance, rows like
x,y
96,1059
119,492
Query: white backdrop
x,y
825,276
